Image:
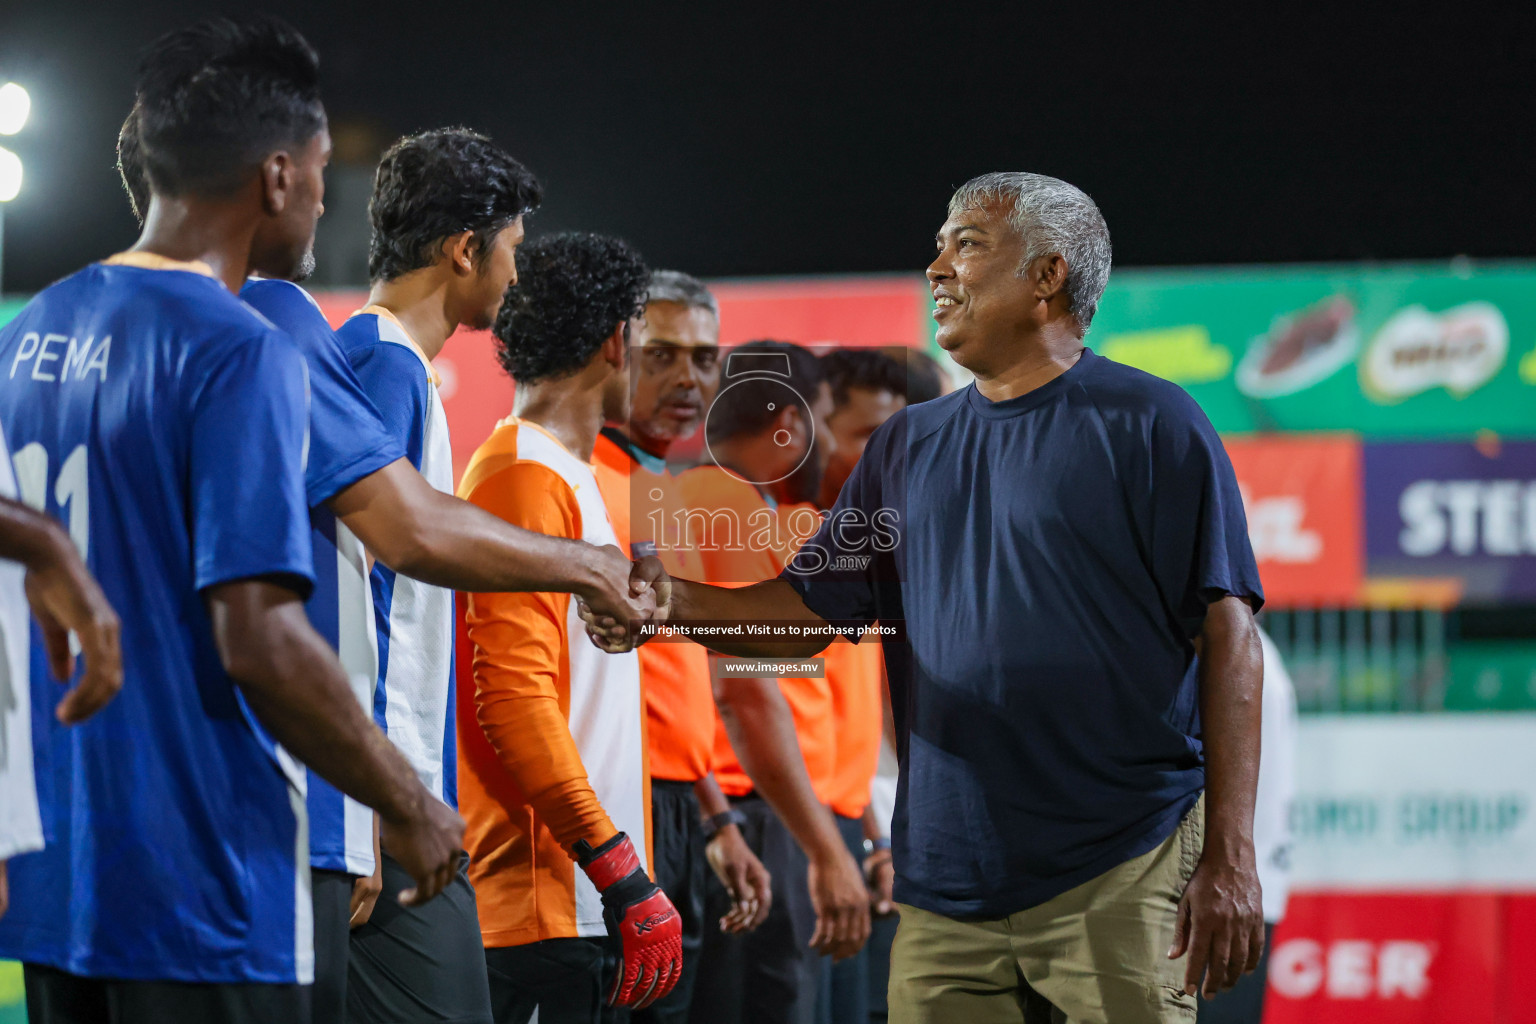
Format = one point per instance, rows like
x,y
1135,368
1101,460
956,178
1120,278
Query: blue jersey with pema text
x,y
1050,558
164,423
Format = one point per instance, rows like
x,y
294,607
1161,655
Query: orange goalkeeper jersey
x,y
551,730
854,674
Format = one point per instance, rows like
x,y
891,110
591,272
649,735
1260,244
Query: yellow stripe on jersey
x,y
378,310
154,261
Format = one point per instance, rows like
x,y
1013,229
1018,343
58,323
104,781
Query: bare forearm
x,y
470,549
711,800
871,824
1231,695
762,733
299,691
770,601
430,536
28,536
463,547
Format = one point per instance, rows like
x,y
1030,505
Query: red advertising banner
x,y
860,311
827,311
1302,496
1414,872
1404,958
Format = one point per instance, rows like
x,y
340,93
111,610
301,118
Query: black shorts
x,y
565,980
423,963
677,839
58,997
771,975
332,898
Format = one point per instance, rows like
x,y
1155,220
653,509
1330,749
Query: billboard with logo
x,y
1459,511
1414,879
1411,351
1302,498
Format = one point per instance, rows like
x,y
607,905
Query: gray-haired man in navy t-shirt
x,y
1075,675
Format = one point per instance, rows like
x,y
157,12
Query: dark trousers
x,y
58,997
566,980
771,975
845,983
677,841
882,933
1244,1002
331,893
423,963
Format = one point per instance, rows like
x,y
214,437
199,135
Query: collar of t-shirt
x,y
374,309
1052,389
153,261
651,463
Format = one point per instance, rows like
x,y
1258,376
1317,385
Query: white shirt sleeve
x,y
1277,783
21,829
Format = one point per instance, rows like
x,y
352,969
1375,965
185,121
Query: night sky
x,y
732,139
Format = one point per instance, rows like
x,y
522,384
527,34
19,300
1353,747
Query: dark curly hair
x,y
572,290
439,183
216,97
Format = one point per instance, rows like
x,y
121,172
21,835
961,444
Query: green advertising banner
x,y
1443,350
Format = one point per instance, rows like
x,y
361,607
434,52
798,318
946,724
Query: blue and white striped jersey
x,y
413,700
347,442
164,422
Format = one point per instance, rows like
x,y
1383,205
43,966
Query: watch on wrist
x,y
715,822
876,845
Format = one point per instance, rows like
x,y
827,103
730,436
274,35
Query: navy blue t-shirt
x,y
1051,557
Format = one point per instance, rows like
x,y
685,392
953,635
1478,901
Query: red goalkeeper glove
x,y
640,919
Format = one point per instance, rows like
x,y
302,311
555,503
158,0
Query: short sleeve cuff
x,y
339,479
298,578
1253,593
833,600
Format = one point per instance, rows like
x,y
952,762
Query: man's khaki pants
x,y
1096,954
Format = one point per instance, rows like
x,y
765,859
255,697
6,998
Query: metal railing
x,y
1414,660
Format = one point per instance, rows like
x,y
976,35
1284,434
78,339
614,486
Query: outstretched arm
x,y
428,535
769,601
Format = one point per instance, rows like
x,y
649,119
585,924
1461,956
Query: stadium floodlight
x,y
15,105
10,175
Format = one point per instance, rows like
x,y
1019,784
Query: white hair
x,y
1052,217
683,289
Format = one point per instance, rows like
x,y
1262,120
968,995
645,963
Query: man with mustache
x,y
674,374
